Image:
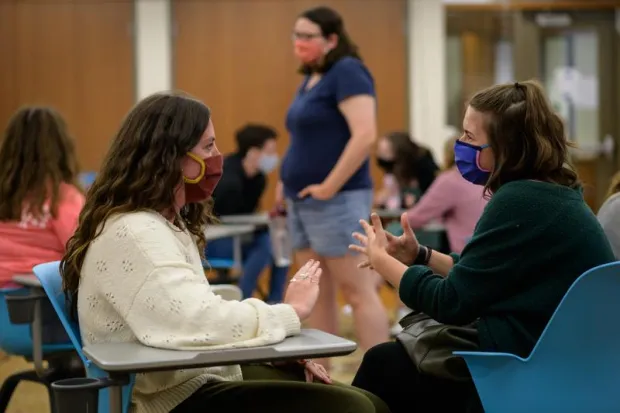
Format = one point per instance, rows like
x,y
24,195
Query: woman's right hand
x,y
404,248
303,289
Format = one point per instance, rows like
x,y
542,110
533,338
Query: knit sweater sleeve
x,y
166,300
485,271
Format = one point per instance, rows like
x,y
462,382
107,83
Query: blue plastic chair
x,y
574,367
16,340
222,265
87,179
212,261
49,276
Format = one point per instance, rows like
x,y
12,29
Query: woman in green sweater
x,y
534,239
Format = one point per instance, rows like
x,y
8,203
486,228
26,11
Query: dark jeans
x,y
388,372
267,389
256,257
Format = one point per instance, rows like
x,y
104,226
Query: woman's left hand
x,y
314,370
375,243
317,191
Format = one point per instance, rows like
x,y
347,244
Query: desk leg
x,y
237,252
116,399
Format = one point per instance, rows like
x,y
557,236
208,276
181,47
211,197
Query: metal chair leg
x,y
9,385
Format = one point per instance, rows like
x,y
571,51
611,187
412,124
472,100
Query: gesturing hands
x,y
303,289
377,240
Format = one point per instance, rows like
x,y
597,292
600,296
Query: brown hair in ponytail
x,y
526,135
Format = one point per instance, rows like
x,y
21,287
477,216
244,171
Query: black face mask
x,y
387,166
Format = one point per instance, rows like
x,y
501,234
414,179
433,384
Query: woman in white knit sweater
x,y
135,258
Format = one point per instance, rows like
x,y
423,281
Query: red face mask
x,y
308,51
201,187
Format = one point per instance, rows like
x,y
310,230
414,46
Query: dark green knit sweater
x,y
531,243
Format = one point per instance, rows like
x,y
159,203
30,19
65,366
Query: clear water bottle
x,y
281,245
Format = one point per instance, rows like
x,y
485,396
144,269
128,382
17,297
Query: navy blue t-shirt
x,y
318,130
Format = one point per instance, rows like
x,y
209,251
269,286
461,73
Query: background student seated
x,y
609,215
40,198
239,192
409,169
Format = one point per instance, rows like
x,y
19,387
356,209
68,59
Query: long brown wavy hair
x,y
37,155
140,172
526,135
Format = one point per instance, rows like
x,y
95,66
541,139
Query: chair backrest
x,y
14,339
87,178
584,327
51,281
219,258
49,276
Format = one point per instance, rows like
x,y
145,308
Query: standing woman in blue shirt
x,y
325,173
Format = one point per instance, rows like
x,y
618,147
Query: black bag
x,y
430,345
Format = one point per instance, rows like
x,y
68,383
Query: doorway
x,y
578,65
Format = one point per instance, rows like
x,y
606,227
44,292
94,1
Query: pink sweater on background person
x,y
456,202
35,240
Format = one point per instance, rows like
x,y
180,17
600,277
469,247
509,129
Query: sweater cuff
x,y
455,257
408,284
288,317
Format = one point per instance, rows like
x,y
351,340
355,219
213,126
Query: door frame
x,y
604,23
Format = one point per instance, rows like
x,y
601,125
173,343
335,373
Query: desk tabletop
x,y
260,219
27,280
135,357
214,232
434,226
389,213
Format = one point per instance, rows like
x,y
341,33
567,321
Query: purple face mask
x,y
467,158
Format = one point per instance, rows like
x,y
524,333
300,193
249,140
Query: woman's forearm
x,y
354,155
441,263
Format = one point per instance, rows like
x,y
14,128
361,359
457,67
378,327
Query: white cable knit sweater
x,y
142,280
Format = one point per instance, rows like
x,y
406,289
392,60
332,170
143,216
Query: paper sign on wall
x,y
580,89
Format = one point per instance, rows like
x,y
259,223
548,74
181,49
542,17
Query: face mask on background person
x,y
268,163
386,165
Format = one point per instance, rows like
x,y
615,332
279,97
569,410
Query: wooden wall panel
x,y
478,62
75,56
106,79
535,5
236,56
7,66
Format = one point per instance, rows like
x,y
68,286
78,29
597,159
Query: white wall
x,y
504,67
427,73
153,37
